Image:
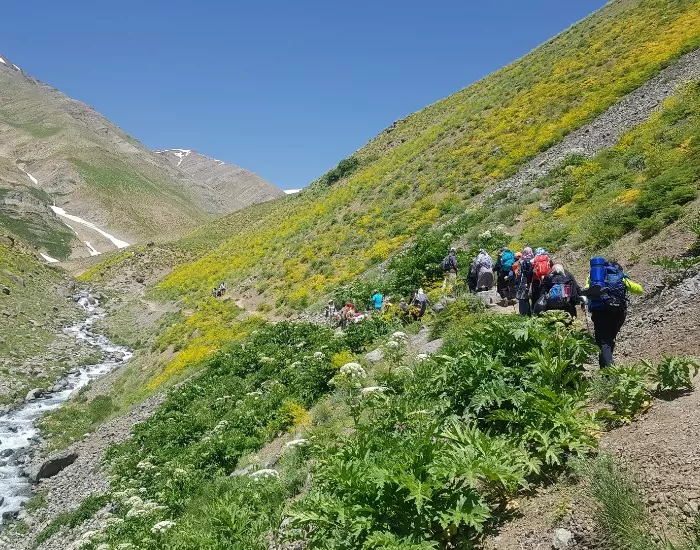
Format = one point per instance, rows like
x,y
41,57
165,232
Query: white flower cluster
x,y
220,426
162,526
114,521
295,443
265,473
393,344
421,357
319,355
374,389
145,465
353,370
398,335
125,546
255,394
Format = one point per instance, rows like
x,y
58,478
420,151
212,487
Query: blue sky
x,y
283,88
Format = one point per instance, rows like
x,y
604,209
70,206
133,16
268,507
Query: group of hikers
x,y
412,309
219,291
532,280
539,285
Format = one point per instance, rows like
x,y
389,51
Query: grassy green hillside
x,y
427,168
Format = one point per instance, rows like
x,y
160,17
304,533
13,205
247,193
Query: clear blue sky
x,y
284,88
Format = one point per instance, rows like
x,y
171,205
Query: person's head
x,y
331,302
420,291
349,304
375,292
402,301
503,249
518,255
540,251
527,253
558,269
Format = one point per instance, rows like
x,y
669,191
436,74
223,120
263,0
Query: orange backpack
x,y
541,266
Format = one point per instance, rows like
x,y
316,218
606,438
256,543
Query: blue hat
x,y
540,251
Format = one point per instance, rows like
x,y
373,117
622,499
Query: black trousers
x,y
607,324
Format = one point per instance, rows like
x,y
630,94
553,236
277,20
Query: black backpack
x,y
446,264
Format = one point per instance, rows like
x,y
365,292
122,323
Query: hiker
x,y
541,265
560,291
505,261
347,313
482,268
450,267
222,289
606,292
377,300
331,313
421,302
522,278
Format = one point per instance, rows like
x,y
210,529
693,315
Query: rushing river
x,y
18,431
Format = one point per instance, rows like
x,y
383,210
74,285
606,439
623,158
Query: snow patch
x,y
48,259
32,178
116,242
16,67
291,191
92,250
3,61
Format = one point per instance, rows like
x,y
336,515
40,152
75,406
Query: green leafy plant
x,y
674,373
627,390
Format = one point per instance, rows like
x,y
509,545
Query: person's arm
x,y
634,288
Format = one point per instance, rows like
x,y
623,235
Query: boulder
x,y
242,471
33,394
52,465
431,347
14,278
438,307
6,290
562,538
375,356
490,297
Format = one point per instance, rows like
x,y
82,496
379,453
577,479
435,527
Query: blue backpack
x,y
611,281
507,261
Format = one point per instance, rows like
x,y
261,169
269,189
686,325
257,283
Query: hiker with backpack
x,y
420,302
450,267
506,259
541,265
559,291
482,269
522,278
377,301
607,291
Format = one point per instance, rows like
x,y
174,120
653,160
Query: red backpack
x,y
541,266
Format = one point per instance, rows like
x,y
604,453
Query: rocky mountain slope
x,y
110,190
227,187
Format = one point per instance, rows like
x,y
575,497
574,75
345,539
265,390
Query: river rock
x,y
562,538
33,394
490,297
375,356
52,465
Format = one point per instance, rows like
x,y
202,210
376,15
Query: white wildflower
x,y
254,394
392,344
265,474
125,546
180,471
319,355
295,443
134,501
142,490
373,389
87,535
145,465
114,521
220,426
398,335
162,526
421,357
137,513
103,546
353,370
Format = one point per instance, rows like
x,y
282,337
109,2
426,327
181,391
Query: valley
x,y
246,420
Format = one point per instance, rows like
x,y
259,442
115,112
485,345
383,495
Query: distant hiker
x,y
347,314
331,313
522,278
560,291
222,289
421,303
505,261
482,268
377,300
607,290
450,267
403,306
540,268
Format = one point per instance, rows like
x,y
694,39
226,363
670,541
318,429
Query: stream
x,y
18,430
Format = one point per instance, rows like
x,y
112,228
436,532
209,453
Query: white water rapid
x,y
18,431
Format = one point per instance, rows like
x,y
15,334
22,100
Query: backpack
x,y
559,296
613,291
507,260
541,266
522,287
447,263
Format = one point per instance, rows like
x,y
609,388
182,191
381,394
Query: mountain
x,y
227,187
108,189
